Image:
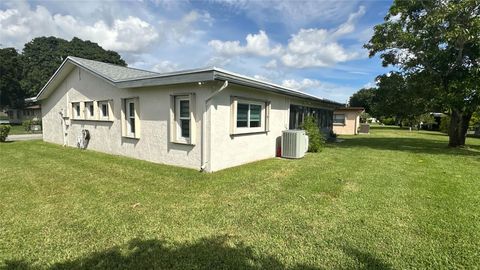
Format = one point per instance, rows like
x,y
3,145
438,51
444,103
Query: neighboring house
x,y
29,112
207,119
347,120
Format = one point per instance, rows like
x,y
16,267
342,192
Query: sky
x,y
312,46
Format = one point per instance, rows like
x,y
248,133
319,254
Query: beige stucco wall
x,y
352,122
226,150
222,149
154,106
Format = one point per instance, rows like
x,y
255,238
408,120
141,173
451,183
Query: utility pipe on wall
x,y
204,126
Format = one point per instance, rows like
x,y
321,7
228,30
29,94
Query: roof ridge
x,y
111,64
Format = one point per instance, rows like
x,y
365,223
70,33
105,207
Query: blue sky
x,y
313,46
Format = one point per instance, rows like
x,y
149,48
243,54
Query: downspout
x,y
204,126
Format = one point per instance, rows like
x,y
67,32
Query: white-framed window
x,y
131,118
249,116
183,119
104,110
76,113
89,110
339,119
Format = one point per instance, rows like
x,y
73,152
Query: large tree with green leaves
x,y
43,55
440,41
363,98
404,98
11,94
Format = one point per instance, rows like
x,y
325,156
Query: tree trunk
x,y
458,128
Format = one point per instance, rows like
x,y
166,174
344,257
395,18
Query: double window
x,y
249,116
339,119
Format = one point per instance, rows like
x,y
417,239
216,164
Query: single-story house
x,y
346,120
207,119
29,112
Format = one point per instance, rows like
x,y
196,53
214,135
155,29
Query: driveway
x,y
24,137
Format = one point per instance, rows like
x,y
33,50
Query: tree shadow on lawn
x,y
413,145
365,259
207,253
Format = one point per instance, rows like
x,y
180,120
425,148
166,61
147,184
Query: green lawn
x,y
19,129
389,200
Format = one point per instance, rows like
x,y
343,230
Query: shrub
x,y
316,140
4,130
27,124
444,124
389,121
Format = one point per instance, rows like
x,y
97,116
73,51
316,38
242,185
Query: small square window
x,y
339,119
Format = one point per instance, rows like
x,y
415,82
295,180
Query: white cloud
x,y
293,14
320,89
272,64
165,66
256,44
20,24
314,47
184,30
320,47
127,35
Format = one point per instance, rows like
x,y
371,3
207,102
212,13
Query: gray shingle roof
x,y
113,72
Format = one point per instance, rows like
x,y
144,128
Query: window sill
x,y
338,124
248,133
132,138
184,143
91,120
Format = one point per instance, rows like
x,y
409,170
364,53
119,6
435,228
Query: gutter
x,y
203,155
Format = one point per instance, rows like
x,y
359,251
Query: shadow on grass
x,y
413,145
366,260
207,253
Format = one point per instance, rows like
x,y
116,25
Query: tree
x,y
404,98
363,98
43,55
11,94
438,40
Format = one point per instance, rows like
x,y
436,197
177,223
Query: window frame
x,y
178,120
100,111
89,110
264,116
339,123
127,118
76,110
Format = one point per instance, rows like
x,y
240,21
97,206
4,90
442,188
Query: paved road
x,y
24,137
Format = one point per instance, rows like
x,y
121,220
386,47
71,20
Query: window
x,y
339,119
183,119
90,113
249,116
76,110
130,118
104,108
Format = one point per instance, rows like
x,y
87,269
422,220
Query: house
x,y
29,112
346,120
207,119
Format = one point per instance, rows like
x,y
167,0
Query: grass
x,y
18,130
389,200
